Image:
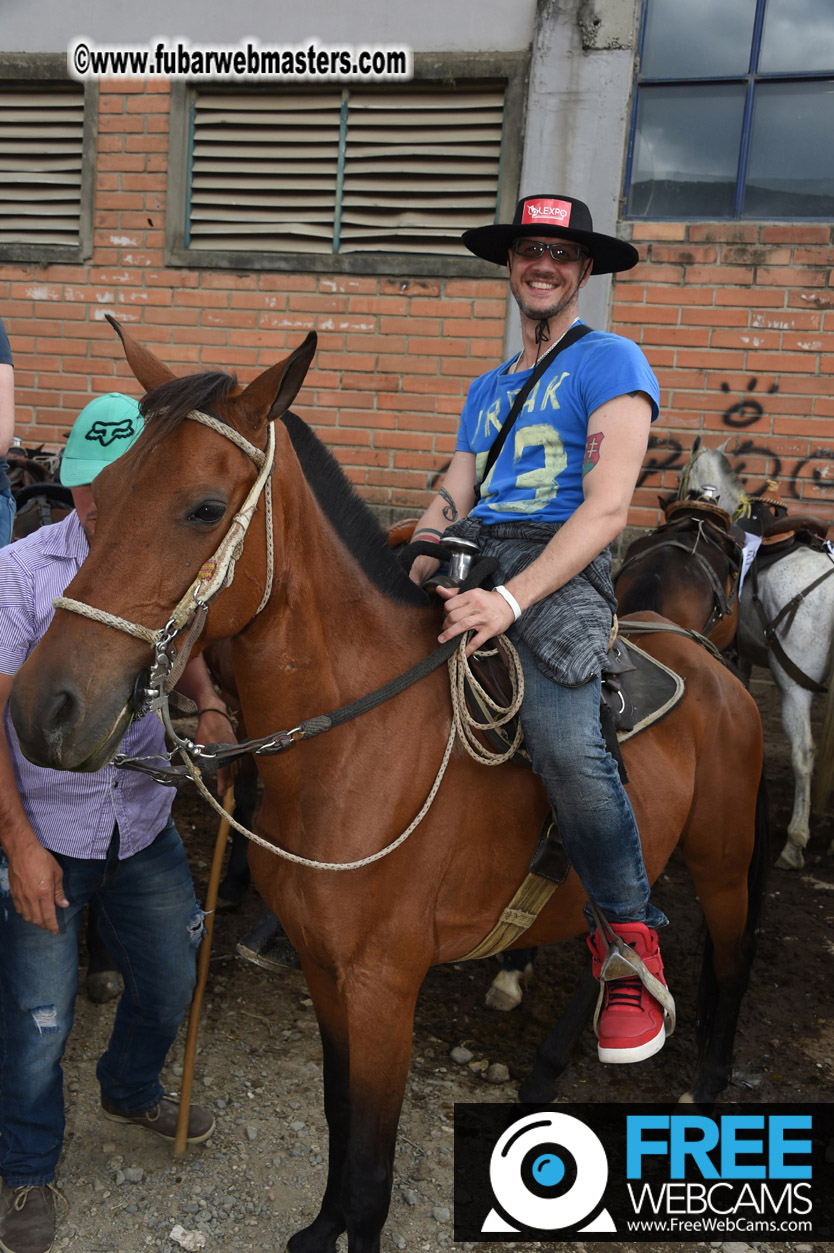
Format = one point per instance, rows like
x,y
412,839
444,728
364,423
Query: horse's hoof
x,y
298,1244
687,1099
532,1092
103,985
504,992
791,857
317,1238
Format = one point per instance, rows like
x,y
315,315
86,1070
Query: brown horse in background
x,y
687,570
341,620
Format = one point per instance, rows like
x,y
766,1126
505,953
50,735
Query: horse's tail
x,y
717,1007
824,770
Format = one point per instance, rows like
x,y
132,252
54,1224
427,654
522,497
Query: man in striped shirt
x,y
67,838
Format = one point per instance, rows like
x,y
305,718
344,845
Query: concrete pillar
x,y
578,104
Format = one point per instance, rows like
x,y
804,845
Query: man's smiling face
x,y
542,287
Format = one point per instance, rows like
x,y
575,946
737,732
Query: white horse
x,y
805,637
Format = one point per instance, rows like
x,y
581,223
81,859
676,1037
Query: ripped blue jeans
x,y
151,924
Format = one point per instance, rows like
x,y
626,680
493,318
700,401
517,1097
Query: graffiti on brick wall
x,y
747,411
666,452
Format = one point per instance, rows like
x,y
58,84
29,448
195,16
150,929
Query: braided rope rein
x,y
462,724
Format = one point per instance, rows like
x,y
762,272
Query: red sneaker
x,y
630,1024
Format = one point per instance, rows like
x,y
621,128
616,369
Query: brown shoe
x,y
27,1218
163,1119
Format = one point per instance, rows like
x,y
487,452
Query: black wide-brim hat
x,y
559,216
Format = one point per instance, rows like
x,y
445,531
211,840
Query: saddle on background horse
x,y
781,531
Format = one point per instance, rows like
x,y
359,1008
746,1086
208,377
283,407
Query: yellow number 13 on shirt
x,y
540,483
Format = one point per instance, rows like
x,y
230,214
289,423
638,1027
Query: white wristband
x,y
511,601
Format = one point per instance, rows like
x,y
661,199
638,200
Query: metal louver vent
x,y
344,171
420,168
41,145
264,172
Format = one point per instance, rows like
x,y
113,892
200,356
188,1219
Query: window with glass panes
x,y
734,111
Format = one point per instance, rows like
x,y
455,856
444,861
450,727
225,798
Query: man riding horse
x,y
547,506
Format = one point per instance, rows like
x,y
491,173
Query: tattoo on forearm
x,y
450,509
593,447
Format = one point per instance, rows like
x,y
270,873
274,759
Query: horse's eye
x,y
208,511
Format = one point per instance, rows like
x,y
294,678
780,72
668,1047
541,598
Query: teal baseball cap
x,y
103,430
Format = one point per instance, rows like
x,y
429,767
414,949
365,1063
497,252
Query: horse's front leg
x,y
796,719
324,1231
367,1044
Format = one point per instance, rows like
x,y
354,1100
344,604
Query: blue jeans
x,y
7,513
563,737
152,925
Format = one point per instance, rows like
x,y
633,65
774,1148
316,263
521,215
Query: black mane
x,y
166,407
349,516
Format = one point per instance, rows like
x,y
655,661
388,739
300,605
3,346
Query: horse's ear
x,y
147,368
273,392
696,444
722,448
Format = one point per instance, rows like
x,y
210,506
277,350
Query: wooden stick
x,y
181,1138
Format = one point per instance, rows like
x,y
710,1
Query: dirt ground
x,y
261,1175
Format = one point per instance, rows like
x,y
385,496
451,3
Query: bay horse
x,y
687,570
341,619
796,599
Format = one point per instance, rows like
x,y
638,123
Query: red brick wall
x,y
738,322
735,318
394,356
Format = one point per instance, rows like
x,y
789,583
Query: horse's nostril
x,y
64,711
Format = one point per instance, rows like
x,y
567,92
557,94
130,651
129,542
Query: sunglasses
x,y
562,253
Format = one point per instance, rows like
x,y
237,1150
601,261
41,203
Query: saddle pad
x,y
653,689
650,687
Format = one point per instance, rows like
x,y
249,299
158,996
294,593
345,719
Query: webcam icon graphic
x,y
548,1171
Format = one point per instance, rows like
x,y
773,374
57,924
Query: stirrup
x,y
621,962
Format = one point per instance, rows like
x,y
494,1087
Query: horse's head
x,y
710,467
163,512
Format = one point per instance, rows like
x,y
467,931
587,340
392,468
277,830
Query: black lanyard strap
x,y
570,337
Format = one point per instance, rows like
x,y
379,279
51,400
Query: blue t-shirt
x,y
537,476
5,359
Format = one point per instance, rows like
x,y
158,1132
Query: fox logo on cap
x,y
106,433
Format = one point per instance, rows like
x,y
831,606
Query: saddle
x,y
781,531
637,691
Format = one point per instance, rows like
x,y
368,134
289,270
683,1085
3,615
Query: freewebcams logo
x,y
548,1171
643,1172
